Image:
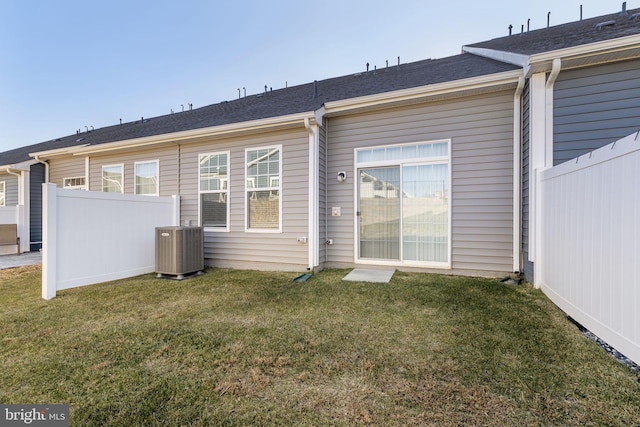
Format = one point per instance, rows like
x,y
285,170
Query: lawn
x,y
239,348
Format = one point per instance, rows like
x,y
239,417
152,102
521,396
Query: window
x,y
3,200
262,187
112,179
214,190
75,183
146,179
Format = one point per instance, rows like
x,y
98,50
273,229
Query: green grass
x,y
254,348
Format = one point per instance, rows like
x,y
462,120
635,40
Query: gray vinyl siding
x,y
322,195
36,179
594,107
526,264
481,131
68,167
168,168
10,188
257,250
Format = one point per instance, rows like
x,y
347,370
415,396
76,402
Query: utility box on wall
x,y
179,251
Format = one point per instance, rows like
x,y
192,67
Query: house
x,y
426,165
21,198
582,92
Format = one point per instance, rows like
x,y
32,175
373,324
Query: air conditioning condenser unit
x,y
179,251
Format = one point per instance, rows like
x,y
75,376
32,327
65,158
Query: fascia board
x,y
486,81
223,130
586,50
57,152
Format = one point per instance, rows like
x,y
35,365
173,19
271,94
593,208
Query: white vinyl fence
x,y
8,214
92,237
590,236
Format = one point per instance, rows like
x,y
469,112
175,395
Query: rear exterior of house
x,y
592,107
581,93
429,186
21,203
439,180
253,214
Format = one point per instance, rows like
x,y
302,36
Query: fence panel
x,y
92,237
8,214
591,242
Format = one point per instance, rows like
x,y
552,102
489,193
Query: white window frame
x,y
3,193
74,187
135,177
402,162
223,192
121,166
250,185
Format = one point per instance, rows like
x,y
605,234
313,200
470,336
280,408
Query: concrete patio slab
x,y
369,275
27,258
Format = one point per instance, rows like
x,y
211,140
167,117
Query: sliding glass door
x,y
403,204
425,213
380,213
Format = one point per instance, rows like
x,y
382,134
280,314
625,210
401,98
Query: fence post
x,y
49,237
176,209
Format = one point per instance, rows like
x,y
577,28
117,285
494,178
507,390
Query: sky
x,y
68,65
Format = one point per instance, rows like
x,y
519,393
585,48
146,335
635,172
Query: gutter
x,y
481,82
517,176
279,122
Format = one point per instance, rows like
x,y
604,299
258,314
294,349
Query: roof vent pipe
x,y
522,29
624,9
315,88
244,90
510,28
581,12
190,106
528,22
238,93
548,18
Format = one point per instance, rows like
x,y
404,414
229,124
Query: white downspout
x,y
517,174
556,65
313,226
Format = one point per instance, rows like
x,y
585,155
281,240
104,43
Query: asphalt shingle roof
x,y
280,102
567,35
